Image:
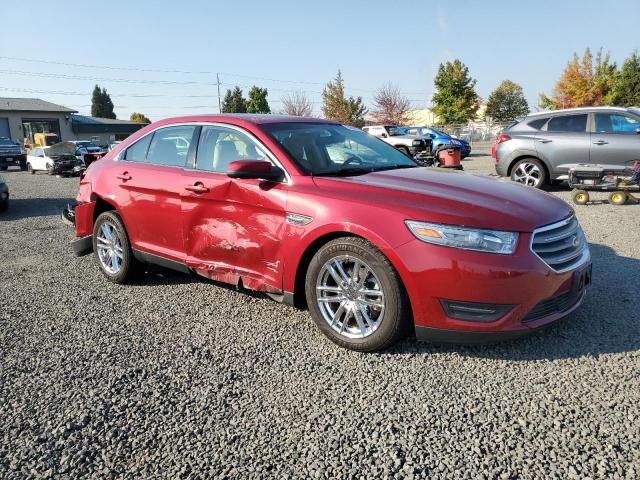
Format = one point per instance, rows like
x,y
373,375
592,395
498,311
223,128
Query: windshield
x,y
5,141
396,131
323,149
86,145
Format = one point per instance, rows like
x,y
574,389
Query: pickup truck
x,y
396,136
11,154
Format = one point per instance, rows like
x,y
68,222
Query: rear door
x,y
148,177
564,142
615,138
232,227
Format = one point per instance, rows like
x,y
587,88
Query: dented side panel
x,y
233,232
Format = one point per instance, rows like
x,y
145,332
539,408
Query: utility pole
x,y
218,83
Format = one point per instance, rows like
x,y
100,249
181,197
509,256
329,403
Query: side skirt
x,y
161,261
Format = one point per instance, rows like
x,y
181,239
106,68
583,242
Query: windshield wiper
x,y
394,167
344,172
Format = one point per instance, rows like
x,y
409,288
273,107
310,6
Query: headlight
x,y
490,241
416,143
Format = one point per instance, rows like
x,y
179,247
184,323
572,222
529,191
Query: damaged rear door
x,y
232,227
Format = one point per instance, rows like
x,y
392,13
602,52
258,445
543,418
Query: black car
x,y
11,154
4,195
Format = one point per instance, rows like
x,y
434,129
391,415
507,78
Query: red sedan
x,y
315,213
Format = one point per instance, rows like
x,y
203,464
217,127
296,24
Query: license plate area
x,y
581,279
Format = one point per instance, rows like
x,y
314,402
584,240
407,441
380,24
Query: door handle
x,y
124,176
544,140
600,142
197,188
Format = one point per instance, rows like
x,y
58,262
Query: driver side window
x,y
219,146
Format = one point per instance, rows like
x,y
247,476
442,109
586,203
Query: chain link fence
x,y
474,131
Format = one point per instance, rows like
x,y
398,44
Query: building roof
x,y
84,124
31,105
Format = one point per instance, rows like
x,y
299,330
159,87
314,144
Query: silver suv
x,y
540,148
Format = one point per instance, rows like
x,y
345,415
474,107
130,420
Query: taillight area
x,y
499,139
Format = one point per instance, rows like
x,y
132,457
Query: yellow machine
x,y
41,140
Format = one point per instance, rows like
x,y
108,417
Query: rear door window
x,y
568,123
138,151
170,145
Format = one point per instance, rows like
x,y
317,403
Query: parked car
x,y
542,147
440,138
4,195
397,136
58,159
313,212
11,154
85,146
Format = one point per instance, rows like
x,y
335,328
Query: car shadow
x,y
606,323
20,208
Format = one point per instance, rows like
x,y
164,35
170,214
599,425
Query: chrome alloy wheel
x,y
350,297
527,173
109,248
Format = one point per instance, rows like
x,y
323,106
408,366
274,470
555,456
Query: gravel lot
x,y
178,377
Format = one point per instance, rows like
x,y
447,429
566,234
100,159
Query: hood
x,y
62,148
451,197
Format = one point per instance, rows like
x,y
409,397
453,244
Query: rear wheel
x,y
4,204
529,171
355,295
618,198
23,165
30,169
49,169
3,168
112,249
580,197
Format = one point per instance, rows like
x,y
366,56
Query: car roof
x,y
245,118
577,110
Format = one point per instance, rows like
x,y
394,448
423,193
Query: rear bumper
x,y
8,160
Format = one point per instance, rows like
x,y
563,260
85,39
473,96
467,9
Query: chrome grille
x,y
562,245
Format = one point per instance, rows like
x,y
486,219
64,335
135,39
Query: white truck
x,y
396,136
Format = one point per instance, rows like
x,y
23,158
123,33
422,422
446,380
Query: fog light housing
x,y
475,312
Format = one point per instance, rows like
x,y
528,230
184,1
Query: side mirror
x,y
638,130
383,135
260,169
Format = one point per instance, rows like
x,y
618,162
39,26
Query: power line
x,y
84,94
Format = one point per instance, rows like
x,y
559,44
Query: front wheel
x,y
355,295
49,169
618,198
580,197
529,171
23,165
112,249
30,169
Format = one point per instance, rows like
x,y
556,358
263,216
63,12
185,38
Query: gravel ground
x,y
178,377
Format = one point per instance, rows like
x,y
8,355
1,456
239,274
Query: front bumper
x,y
70,168
537,295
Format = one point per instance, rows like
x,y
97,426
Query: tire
x,y
49,169
405,150
618,198
30,169
580,197
23,165
3,168
4,205
364,322
529,171
124,268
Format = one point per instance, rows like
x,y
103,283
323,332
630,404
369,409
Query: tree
x,y
626,90
390,106
257,102
582,84
506,102
101,104
139,118
297,104
234,102
335,106
455,100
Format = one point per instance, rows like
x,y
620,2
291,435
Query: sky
x,y
162,57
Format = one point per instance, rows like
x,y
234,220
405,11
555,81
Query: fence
x,y
474,131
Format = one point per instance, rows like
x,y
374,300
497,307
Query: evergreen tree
x,y
455,100
101,104
234,102
626,90
257,102
335,106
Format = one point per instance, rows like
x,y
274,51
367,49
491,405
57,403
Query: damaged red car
x,y
322,215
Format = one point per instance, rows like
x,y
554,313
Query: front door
x,y
564,142
232,227
148,180
615,139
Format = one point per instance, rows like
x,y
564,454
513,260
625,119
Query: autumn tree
x,y
139,118
506,102
626,90
583,83
297,104
234,102
101,104
455,99
390,106
335,106
257,101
